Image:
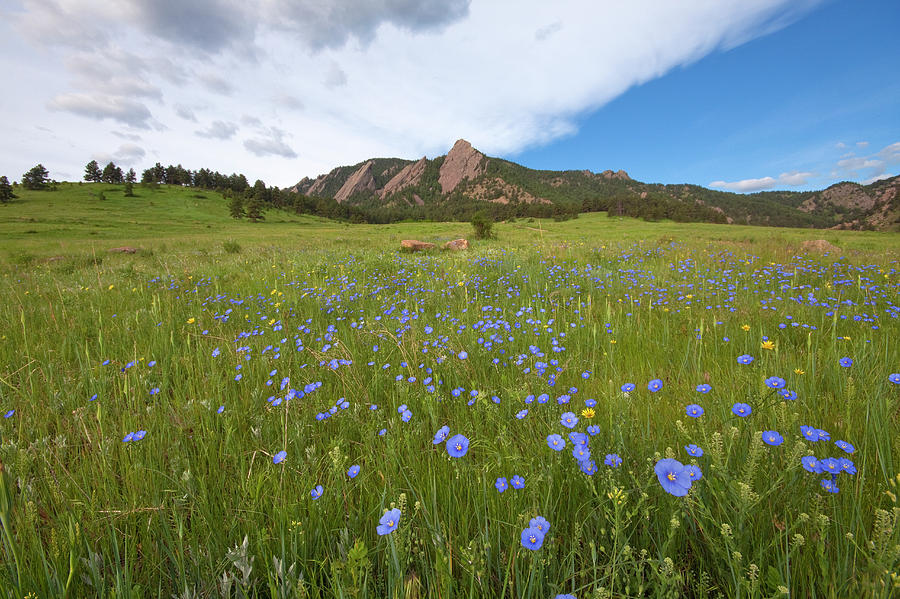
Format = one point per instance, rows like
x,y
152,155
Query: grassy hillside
x,y
73,222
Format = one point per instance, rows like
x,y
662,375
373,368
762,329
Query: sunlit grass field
x,y
182,421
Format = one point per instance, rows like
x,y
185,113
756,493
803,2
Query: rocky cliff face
x,y
462,162
360,181
408,176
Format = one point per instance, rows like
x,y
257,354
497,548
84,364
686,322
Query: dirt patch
x,y
819,245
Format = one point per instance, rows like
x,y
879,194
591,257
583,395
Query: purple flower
x,y
673,477
457,446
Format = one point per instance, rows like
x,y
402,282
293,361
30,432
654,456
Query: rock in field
x,y
411,245
457,244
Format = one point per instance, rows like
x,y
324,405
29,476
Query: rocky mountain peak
x,y
408,176
359,181
462,162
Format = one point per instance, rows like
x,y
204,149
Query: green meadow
x,y
148,397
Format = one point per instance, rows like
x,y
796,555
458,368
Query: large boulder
x,y
820,245
457,244
411,245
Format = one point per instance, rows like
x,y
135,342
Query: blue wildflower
x,y
673,477
581,453
521,414
894,378
745,359
775,382
441,435
829,485
693,410
741,409
279,457
612,460
501,484
457,446
540,523
693,472
810,463
316,492
568,419
556,442
388,522
772,438
532,538
703,388
517,482
627,387
693,450
845,446
353,471
845,362
654,385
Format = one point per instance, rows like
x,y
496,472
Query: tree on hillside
x,y
6,191
129,189
112,173
130,176
236,206
36,178
92,172
255,209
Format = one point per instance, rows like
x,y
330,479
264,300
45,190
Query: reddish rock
x,y
409,175
462,162
361,180
411,245
457,244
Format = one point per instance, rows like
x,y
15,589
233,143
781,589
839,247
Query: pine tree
x,y
131,176
92,172
6,192
255,209
36,178
236,206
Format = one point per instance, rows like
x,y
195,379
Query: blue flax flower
x,y
693,472
693,410
532,538
741,409
810,463
693,450
845,446
772,438
612,460
627,387
517,482
457,446
673,477
556,442
501,484
775,382
581,453
353,471
389,522
703,388
568,419
540,523
441,435
845,362
316,492
654,385
745,359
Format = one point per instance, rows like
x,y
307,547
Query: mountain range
x,y
467,177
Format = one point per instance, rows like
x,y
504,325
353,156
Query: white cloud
x,y
746,185
385,78
877,178
218,130
792,178
128,155
862,144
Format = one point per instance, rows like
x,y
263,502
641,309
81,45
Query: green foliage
x,y
112,174
129,189
236,206
231,246
255,209
483,226
36,178
198,508
6,190
92,172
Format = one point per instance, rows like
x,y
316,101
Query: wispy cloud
x,y
792,179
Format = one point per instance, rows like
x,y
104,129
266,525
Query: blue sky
x,y
797,100
734,94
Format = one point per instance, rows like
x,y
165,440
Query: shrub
x,y
483,226
232,247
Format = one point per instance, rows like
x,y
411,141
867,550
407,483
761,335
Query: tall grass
x,y
198,508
